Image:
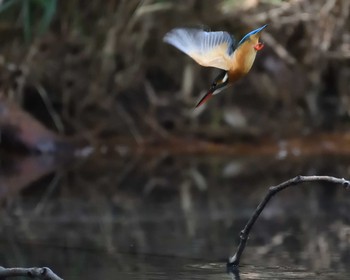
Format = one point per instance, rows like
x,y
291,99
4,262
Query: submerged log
x,y
21,131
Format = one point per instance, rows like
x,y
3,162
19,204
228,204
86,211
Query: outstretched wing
x,y
212,49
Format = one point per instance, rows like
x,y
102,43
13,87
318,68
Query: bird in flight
x,y
218,49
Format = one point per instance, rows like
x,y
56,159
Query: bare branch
x,y
233,261
43,273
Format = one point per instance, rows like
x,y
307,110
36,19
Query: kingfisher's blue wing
x,y
211,49
251,33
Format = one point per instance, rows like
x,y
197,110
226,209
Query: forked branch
x,y
43,273
233,261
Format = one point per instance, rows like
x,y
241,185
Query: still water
x,y
171,217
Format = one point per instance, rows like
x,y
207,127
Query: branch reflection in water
x,y
165,213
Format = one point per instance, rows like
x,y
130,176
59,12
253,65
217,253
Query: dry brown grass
x,y
104,70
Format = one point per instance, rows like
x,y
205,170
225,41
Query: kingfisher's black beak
x,y
219,84
205,98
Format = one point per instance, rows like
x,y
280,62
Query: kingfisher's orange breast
x,y
234,75
243,59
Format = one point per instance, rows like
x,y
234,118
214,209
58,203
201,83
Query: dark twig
x,y
233,261
43,273
234,273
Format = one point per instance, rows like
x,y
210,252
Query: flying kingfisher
x,y
217,49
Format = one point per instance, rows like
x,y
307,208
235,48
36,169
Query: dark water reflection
x,y
171,217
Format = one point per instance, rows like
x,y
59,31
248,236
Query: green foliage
x,y
33,14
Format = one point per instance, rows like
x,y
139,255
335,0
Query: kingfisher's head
x,y
220,83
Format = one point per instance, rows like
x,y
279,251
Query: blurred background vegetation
x,y
98,72
99,69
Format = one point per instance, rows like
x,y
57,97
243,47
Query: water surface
x,y
171,217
